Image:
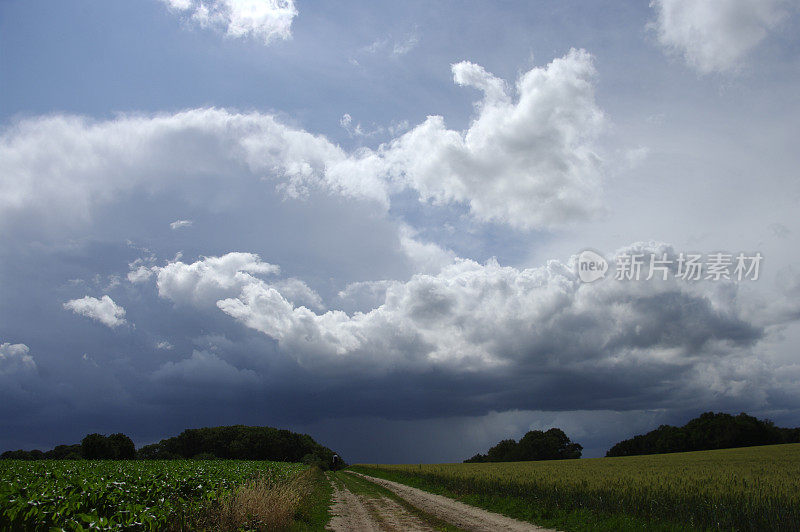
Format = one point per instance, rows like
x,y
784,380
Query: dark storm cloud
x,y
472,340
269,275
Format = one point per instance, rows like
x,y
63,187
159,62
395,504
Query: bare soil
x,y
358,512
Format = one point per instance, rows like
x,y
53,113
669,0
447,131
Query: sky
x,y
367,221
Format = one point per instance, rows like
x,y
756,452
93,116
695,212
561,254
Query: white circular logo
x,y
591,266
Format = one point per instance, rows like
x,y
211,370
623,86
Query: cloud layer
x,y
715,35
526,161
266,20
536,330
414,292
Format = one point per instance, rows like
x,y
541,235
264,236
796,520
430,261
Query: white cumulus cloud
x,y
299,293
472,317
426,257
210,278
56,169
526,160
267,20
180,224
15,358
140,274
715,35
103,310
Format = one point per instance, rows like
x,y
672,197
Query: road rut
x,y
357,512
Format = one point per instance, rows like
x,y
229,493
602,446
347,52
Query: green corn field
x,y
120,495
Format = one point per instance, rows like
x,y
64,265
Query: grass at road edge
x,y
314,510
577,520
299,503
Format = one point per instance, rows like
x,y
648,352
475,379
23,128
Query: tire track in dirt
x,y
359,512
453,512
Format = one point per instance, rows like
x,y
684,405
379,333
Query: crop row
x,y
755,488
119,495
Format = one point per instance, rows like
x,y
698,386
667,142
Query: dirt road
x,y
358,505
370,512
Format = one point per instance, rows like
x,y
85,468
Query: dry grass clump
x,y
260,504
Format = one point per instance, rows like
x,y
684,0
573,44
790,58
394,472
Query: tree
x,y
64,452
122,447
242,442
534,445
19,454
550,445
707,431
504,451
96,447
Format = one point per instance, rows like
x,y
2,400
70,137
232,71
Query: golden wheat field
x,y
754,488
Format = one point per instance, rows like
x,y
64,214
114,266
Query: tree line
x,y
233,442
92,447
242,443
708,431
534,445
705,432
